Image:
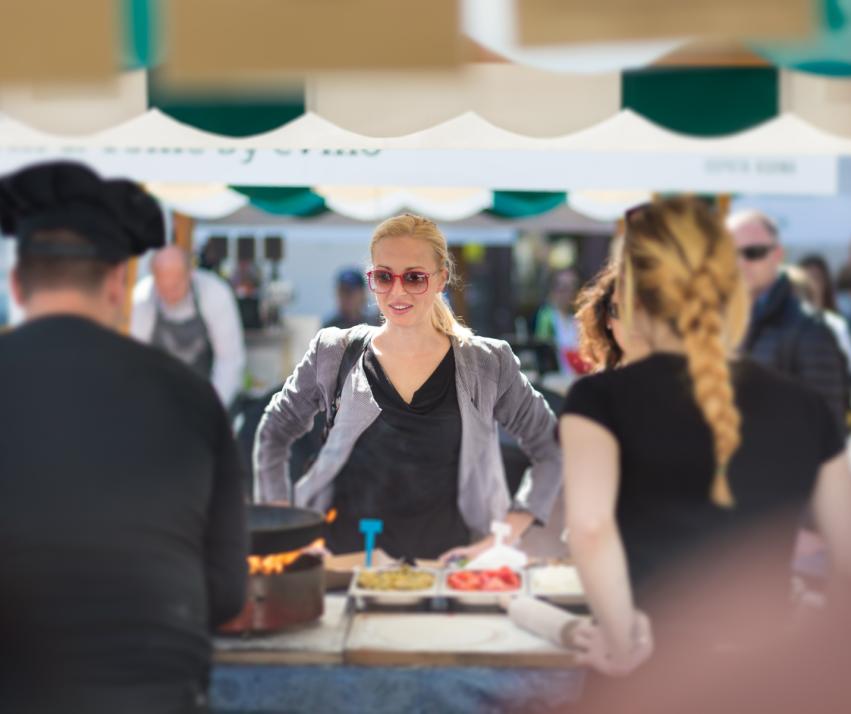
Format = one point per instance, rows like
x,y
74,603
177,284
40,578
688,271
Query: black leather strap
x,y
359,339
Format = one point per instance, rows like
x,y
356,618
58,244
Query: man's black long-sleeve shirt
x,y
122,527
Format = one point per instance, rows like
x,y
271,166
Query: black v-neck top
x,y
404,469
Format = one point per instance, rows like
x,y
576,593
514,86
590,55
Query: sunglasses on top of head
x,y
414,282
652,208
634,212
755,252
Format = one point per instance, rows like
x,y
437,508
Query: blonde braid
x,y
701,328
685,273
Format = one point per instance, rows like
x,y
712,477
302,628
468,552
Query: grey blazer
x,y
491,389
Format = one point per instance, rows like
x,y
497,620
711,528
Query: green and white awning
x,y
540,128
210,201
697,102
784,155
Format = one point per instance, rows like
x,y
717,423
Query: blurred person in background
x,y
555,321
352,304
210,258
810,554
782,334
808,290
191,315
677,453
246,282
843,292
122,533
824,301
824,297
415,442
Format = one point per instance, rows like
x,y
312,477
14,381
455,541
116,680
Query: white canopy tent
x,y
785,155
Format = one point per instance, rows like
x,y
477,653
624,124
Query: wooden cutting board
x,y
447,640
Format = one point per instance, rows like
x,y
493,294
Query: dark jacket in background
x,y
783,335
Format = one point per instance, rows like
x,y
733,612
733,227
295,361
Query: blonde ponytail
x,y
408,225
681,266
445,321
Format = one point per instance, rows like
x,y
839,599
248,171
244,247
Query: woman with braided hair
x,y
669,458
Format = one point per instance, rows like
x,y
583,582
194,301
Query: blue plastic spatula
x,y
370,527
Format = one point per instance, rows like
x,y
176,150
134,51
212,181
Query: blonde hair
x,y
410,226
680,268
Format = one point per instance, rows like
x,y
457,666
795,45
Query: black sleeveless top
x,y
404,470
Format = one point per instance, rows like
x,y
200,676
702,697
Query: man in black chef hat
x,y
122,532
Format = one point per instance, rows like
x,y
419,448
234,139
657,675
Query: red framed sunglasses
x,y
414,282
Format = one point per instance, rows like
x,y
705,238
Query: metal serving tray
x,y
394,597
574,594
479,597
441,592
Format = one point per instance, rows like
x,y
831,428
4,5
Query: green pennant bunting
x,y
828,52
521,204
227,114
142,32
284,200
237,118
836,13
703,101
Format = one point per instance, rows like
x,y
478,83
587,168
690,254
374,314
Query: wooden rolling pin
x,y
544,620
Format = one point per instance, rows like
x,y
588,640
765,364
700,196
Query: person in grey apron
x,y
187,340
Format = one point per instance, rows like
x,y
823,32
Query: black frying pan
x,y
281,529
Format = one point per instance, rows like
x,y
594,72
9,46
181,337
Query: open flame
x,y
278,562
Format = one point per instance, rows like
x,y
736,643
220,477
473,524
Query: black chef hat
x,y
117,218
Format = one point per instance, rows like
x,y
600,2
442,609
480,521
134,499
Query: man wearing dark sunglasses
x,y
784,334
760,252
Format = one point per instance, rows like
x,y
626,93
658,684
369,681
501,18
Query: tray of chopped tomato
x,y
464,583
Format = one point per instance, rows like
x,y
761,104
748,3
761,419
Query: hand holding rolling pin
x,y
581,634
604,659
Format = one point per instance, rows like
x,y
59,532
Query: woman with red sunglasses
x,y
415,441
